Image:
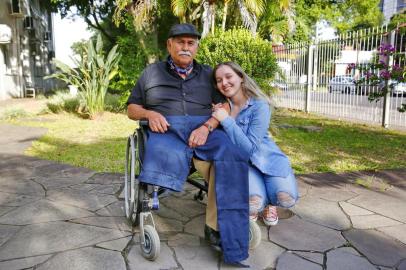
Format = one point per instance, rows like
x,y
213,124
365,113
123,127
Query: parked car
x,y
399,89
281,85
343,84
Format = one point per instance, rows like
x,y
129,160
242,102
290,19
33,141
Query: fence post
x,y
387,97
309,76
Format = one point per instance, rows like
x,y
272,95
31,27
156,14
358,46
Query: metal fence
x,y
317,77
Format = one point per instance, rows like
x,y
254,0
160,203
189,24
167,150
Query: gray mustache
x,y
185,53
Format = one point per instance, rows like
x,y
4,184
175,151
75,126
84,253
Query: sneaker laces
x,y
270,214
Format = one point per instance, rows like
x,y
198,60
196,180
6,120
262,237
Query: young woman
x,y
271,179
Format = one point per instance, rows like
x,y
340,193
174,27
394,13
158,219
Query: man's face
x,y
182,49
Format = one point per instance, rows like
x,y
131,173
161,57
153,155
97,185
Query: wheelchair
x,y
141,198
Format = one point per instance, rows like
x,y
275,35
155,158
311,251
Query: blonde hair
x,y
249,86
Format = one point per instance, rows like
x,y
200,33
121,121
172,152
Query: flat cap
x,y
183,29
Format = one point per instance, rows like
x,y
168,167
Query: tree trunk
x,y
223,24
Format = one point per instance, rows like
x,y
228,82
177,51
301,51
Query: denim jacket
x,y
249,132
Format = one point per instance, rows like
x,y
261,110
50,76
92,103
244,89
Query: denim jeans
x,y
267,187
167,162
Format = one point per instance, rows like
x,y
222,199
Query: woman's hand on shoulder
x,y
220,114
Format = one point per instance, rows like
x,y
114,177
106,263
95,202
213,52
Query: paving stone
x,y
80,199
5,209
166,212
115,209
23,263
7,231
118,245
196,226
393,207
84,187
117,223
289,261
167,224
85,258
106,178
303,188
18,186
311,256
188,208
339,259
52,169
377,247
322,212
107,189
46,238
197,258
350,250
263,257
182,239
298,234
353,210
372,221
12,199
21,135
57,181
333,194
398,232
165,259
284,213
402,265
42,211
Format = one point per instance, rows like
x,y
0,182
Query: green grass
x,y
95,144
338,147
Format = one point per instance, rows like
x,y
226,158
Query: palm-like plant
x,y
92,75
249,10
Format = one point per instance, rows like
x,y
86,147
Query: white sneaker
x,y
270,215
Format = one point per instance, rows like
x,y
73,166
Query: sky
x,y
68,31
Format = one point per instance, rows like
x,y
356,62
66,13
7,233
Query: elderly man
x,y
175,96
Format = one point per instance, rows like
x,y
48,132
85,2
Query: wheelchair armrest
x,y
143,123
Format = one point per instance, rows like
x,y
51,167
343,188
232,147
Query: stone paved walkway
x,y
55,216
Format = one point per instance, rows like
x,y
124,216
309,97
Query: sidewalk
x,y
56,216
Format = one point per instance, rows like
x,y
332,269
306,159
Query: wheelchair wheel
x,y
131,184
152,246
255,235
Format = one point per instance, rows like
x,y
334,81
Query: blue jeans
x,y
267,187
167,163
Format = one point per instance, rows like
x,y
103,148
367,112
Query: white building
x,y
391,7
26,48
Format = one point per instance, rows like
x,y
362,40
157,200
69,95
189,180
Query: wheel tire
x,y
131,182
152,246
129,178
255,235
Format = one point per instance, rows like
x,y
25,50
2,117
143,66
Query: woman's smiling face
x,y
228,82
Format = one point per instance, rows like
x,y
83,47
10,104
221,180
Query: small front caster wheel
x,y
152,246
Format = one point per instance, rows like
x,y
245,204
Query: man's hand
x,y
198,137
157,122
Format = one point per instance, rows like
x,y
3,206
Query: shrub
x,y
92,75
63,101
113,103
253,54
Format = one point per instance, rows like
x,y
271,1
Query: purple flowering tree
x,y
382,74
